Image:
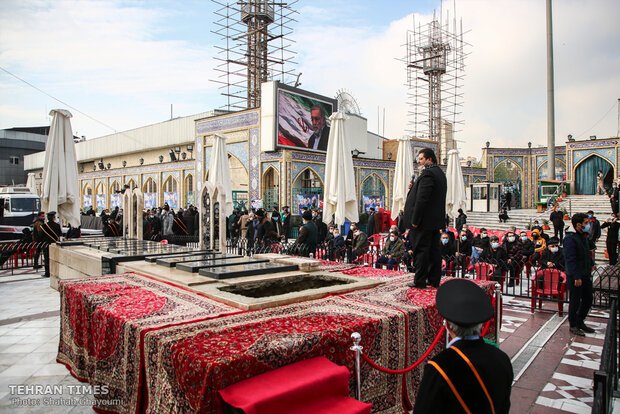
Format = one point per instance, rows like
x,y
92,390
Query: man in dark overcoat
x,y
425,211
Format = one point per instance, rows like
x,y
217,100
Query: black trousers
x,y
46,260
612,251
558,231
426,256
614,207
580,300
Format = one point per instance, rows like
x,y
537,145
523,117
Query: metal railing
x,y
17,255
606,378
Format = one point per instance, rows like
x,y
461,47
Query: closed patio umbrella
x,y
219,180
60,191
340,197
402,176
456,197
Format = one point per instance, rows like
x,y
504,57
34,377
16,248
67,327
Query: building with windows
x,y
15,144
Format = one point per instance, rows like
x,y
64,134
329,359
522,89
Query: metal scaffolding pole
x,y
550,97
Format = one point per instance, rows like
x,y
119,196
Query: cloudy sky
x,y
122,63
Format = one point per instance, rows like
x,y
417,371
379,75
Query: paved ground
x,y
553,368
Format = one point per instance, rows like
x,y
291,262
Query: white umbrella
x,y
219,178
402,176
60,191
31,184
340,196
456,197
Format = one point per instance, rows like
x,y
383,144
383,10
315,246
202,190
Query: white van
x,y
16,201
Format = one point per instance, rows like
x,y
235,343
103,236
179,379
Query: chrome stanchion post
x,y
498,310
357,348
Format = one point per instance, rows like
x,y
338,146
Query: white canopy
x,y
31,184
456,196
219,174
340,197
219,180
60,191
402,176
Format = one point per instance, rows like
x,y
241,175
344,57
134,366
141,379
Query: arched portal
x,y
171,193
585,174
510,174
271,187
372,193
307,190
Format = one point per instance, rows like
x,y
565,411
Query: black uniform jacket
x,y
426,202
493,366
50,232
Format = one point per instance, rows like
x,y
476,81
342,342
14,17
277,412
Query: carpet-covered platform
x,y
162,348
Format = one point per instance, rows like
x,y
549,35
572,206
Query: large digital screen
x,y
303,119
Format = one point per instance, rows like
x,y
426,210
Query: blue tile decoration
x,y
516,160
254,161
608,153
240,151
298,167
265,156
540,159
174,174
227,122
273,164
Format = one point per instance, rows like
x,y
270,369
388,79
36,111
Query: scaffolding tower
x,y
256,48
435,71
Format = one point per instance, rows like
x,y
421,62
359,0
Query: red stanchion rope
x,y
488,324
415,365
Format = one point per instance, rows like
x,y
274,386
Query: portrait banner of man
x,y
303,121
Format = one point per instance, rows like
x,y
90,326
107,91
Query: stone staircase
x,y
523,217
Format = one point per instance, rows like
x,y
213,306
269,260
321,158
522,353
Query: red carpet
x,y
314,385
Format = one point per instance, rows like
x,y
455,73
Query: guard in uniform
x,y
112,229
470,376
50,233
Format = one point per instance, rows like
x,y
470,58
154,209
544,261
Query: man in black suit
x,y
318,139
425,211
371,222
50,233
613,198
470,375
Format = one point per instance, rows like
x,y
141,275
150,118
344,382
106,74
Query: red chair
x,y
486,271
375,240
549,282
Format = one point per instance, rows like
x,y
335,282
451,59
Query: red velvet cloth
x,y
102,323
314,385
188,364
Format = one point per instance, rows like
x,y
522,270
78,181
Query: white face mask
x,y
357,233
392,238
524,238
336,234
554,249
483,235
511,239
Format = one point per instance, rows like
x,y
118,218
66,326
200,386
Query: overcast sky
x,y
124,62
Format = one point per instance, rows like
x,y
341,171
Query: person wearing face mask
x,y
515,257
613,198
448,252
461,219
359,243
308,235
537,226
336,244
595,229
540,243
552,257
495,255
527,246
557,218
50,233
463,249
392,251
579,267
503,216
479,244
611,242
